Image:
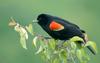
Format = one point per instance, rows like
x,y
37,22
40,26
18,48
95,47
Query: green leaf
x,y
39,50
30,29
65,44
52,44
73,45
85,55
82,56
23,35
76,38
12,22
35,41
79,55
92,44
63,55
23,42
21,31
56,60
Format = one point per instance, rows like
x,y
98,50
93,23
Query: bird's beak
x,y
35,21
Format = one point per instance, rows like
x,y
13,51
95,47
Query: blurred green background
x,y
85,13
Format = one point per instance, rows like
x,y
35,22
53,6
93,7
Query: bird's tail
x,y
91,49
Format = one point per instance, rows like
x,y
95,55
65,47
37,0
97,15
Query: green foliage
x,y
93,45
55,51
30,29
22,32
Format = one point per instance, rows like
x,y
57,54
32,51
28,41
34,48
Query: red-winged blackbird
x,y
60,29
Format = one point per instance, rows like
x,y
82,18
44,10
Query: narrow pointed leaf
x,y
23,32
34,41
30,29
12,22
39,50
79,55
76,38
23,35
23,42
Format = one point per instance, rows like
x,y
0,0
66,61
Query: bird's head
x,y
43,19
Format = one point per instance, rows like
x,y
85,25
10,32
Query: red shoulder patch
x,y
54,26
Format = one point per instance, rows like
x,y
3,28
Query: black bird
x,y
61,29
